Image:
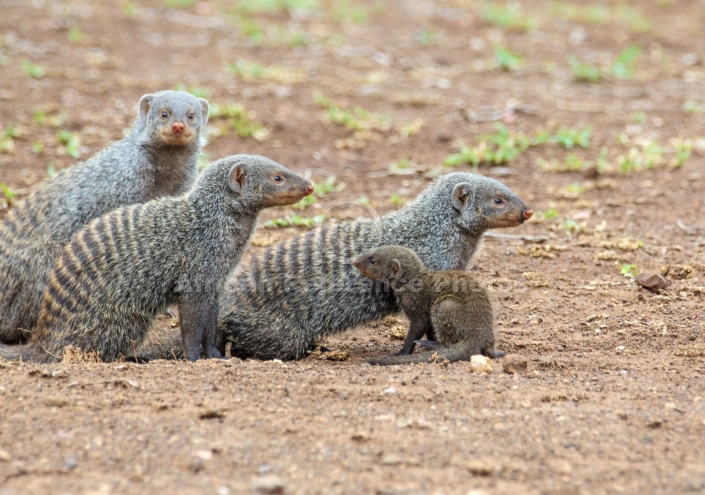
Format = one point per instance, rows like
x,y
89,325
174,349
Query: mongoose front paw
x,y
213,354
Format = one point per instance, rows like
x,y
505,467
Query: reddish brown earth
x,y
614,398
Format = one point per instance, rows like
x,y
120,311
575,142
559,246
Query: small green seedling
x,y
9,193
568,138
425,36
629,270
240,120
584,72
75,35
294,220
355,119
71,142
550,214
179,4
505,59
7,139
508,17
396,199
33,70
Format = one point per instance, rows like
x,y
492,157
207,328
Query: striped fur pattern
x,y
149,163
304,288
124,268
450,307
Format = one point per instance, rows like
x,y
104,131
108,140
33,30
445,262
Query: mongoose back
x,y
304,288
122,269
158,158
450,307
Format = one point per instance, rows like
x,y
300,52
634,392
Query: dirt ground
x,y
614,397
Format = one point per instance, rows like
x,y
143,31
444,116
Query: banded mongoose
x,y
450,307
158,158
304,288
124,268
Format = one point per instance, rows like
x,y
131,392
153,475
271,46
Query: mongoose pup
x,y
124,268
158,158
450,307
304,288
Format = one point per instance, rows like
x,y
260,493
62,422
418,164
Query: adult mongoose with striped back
x,y
450,307
304,288
157,158
124,268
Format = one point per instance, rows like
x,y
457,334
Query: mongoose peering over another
x,y
304,288
450,307
122,269
158,158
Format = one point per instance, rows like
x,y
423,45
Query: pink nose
x,y
177,127
309,189
527,214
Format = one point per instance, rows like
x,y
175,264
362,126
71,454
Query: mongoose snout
x,y
526,214
369,266
287,189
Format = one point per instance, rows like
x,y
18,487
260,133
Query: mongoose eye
x,y
191,116
498,200
165,114
277,178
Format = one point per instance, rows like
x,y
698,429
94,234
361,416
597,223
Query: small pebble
x,y
651,281
480,364
515,364
268,485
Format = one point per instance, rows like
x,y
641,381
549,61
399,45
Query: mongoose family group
x,y
123,268
304,288
450,307
93,255
157,158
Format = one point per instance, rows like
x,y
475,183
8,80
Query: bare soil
x,y
614,397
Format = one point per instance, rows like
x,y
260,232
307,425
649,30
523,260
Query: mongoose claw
x,y
428,344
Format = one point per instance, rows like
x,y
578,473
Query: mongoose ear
x,y
461,195
145,105
394,268
237,177
205,108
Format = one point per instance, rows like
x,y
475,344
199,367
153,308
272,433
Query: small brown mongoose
x,y
158,158
450,307
304,288
124,268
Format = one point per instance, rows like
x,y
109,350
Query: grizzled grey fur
x,y
158,158
304,288
124,268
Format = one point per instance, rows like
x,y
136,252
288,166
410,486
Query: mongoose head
x,y
388,263
483,203
255,182
175,117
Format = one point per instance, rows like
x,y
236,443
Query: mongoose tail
x,y
452,353
122,269
157,158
